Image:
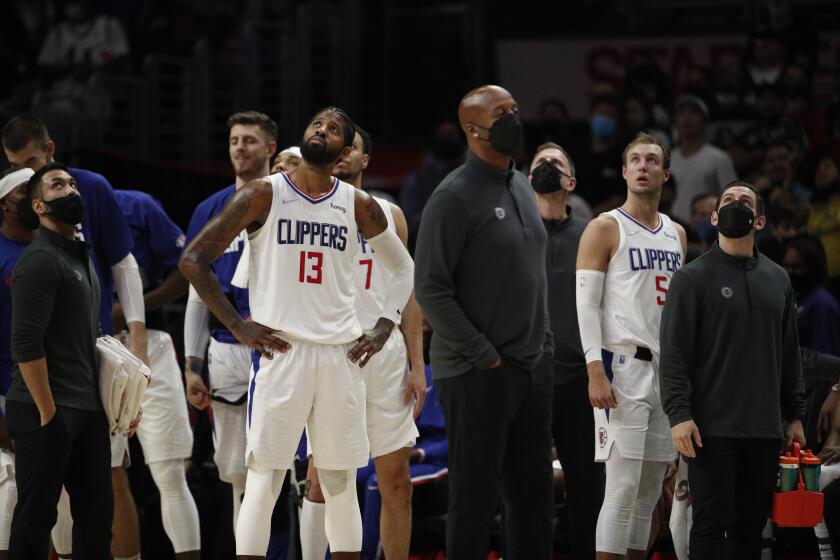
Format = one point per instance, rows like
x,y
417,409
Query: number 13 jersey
x,y
301,276
637,281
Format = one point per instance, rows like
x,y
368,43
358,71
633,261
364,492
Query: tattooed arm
x,y
392,254
247,209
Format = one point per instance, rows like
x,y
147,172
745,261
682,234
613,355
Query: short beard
x,y
319,157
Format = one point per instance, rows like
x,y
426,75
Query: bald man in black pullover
x,y
480,280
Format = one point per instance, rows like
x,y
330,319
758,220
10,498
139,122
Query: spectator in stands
x,y
638,117
697,166
446,153
824,218
818,312
771,125
428,463
76,49
787,218
781,159
730,91
644,75
551,125
598,162
765,58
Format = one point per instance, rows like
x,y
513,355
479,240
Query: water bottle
x,y
810,465
788,475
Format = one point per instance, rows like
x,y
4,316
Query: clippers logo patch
x,y
500,213
602,437
726,292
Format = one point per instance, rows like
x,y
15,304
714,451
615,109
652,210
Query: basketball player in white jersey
x,y
395,391
303,235
625,261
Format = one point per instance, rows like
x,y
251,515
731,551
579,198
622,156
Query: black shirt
x,y
730,349
561,256
55,315
480,271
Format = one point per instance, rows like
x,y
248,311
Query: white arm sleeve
x,y
393,255
196,326
589,289
129,289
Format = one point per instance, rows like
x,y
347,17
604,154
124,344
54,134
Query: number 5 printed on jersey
x,y
661,286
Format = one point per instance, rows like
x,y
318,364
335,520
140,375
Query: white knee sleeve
x,y
253,528
237,481
612,533
62,532
313,535
342,520
650,488
177,507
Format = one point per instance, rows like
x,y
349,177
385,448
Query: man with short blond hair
x,y
625,261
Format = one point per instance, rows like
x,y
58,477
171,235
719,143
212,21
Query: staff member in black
x,y
480,280
730,373
553,178
53,408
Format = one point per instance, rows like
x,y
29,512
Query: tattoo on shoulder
x,y
375,213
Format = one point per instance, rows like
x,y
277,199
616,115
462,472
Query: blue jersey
x,y
105,229
224,266
157,242
10,252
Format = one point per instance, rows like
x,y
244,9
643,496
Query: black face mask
x,y
735,220
545,178
506,134
69,209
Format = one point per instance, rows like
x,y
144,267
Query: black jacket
x,y
730,355
55,315
480,271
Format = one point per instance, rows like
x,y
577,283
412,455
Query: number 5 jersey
x,y
637,280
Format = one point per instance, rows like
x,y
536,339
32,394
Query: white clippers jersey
x,y
302,264
637,281
372,278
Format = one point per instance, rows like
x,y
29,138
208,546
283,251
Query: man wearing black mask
x,y
729,329
553,179
55,415
480,280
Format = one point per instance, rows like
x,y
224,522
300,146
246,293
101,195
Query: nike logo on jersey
x,y
288,200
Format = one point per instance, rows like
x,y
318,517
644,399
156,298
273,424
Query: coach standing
x,y
480,280
731,373
55,415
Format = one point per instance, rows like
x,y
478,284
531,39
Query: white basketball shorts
x,y
312,385
164,430
229,366
390,422
638,425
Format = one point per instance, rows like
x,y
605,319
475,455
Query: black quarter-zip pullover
x,y
730,356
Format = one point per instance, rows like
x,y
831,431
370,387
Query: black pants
x,y
573,429
731,481
498,424
73,450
